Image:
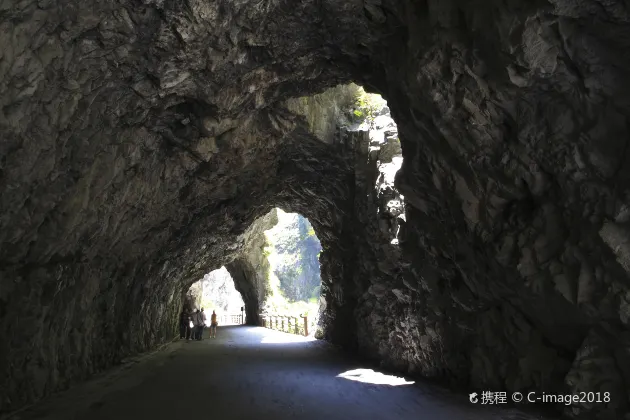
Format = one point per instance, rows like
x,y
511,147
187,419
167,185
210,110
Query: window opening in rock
x,y
216,292
371,113
292,250
347,115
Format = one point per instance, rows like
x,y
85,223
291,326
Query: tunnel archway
x,y
216,292
283,270
132,133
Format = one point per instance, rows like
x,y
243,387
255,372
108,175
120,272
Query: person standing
x,y
190,326
183,323
195,320
213,325
202,323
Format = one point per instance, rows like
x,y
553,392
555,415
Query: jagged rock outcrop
x,y
250,269
140,139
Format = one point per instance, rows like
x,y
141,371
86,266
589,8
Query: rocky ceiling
x,y
141,139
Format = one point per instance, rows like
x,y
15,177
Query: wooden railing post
x,y
305,326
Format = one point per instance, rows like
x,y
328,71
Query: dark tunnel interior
x,y
144,143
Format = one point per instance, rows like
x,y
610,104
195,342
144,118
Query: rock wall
x,y
140,140
249,270
512,175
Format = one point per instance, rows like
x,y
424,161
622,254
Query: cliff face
x,y
249,270
139,140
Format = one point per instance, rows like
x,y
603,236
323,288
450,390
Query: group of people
x,y
191,325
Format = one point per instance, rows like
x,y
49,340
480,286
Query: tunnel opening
x,y
294,280
358,129
216,292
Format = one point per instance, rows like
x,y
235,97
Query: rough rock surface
x,y
249,270
140,139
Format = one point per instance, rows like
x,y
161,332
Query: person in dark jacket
x,y
183,324
197,328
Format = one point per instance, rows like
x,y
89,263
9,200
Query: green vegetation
x,y
341,105
294,279
365,106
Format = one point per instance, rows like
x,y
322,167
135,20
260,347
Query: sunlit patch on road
x,y
369,376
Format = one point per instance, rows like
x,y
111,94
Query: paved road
x,y
256,373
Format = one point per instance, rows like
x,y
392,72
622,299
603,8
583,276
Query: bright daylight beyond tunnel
x,y
291,274
294,277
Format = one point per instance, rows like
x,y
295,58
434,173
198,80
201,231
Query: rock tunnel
x,y
144,143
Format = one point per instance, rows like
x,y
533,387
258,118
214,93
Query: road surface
x,y
256,373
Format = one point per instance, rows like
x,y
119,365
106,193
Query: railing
x,y
230,319
289,324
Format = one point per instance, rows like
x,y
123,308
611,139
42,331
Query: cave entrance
x,y
292,251
216,292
